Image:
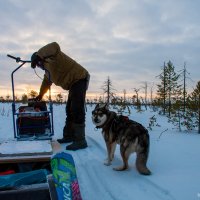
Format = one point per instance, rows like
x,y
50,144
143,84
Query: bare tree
x,y
124,92
137,95
151,90
184,74
108,90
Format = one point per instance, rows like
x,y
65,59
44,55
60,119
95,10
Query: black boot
x,y
79,138
68,133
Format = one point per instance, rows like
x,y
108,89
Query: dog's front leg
x,y
109,158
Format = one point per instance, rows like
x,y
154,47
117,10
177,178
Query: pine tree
x,y
161,91
192,117
169,90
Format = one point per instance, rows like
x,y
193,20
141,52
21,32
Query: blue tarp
x,y
26,178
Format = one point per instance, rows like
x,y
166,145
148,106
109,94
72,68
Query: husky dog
x,y
130,135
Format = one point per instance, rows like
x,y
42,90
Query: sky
x,y
127,41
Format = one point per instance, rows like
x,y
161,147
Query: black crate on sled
x,y
33,119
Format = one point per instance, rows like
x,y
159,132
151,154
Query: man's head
x,y
36,61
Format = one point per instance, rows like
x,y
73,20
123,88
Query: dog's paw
x,y
121,168
107,163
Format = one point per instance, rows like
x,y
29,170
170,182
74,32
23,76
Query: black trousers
x,y
75,107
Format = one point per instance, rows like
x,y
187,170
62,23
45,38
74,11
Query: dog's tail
x,y
142,156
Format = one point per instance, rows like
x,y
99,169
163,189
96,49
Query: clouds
x,y
126,40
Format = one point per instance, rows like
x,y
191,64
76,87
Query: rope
x,y
37,74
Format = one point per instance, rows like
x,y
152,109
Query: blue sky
x,y
126,40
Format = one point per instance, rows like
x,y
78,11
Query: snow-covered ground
x,y
174,161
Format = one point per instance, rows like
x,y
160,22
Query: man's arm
x,y
46,83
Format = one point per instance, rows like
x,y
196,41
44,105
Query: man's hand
x,y
35,59
38,98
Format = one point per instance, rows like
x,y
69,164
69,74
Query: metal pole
x,y
13,95
50,104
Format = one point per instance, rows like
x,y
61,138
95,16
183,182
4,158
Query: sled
x,y
22,158
32,147
33,121
64,177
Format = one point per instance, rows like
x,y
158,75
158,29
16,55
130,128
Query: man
x,y
63,71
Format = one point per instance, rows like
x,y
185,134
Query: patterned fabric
x,y
65,178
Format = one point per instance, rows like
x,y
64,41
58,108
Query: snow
x,y
12,147
173,160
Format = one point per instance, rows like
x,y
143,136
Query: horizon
x,y
127,41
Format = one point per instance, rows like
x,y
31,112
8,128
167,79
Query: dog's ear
x,y
97,106
102,106
106,107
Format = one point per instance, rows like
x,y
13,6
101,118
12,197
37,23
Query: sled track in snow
x,y
90,166
150,187
90,170
100,148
